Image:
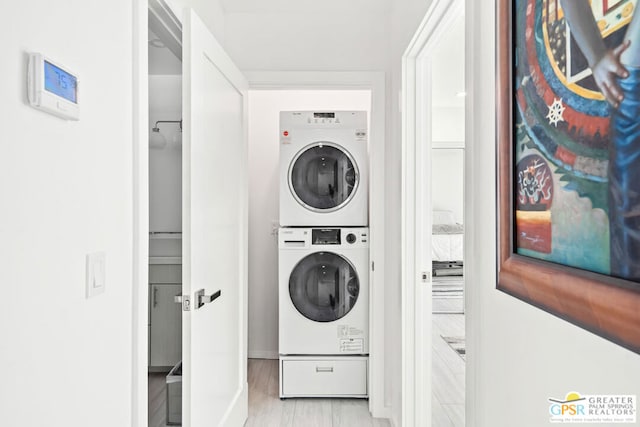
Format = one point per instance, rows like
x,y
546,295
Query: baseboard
x,y
262,354
385,414
393,418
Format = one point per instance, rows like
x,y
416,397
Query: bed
x,y
447,244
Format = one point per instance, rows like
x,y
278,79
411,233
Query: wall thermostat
x,y
52,87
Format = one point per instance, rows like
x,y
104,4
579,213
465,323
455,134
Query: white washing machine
x,y
323,311
324,169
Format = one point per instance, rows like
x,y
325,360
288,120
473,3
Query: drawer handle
x,y
324,369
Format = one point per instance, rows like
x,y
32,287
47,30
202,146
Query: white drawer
x,y
310,377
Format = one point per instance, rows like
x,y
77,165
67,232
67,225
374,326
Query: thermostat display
x,y
60,82
52,88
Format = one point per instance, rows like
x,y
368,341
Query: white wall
x,y
447,79
519,355
165,164
447,174
67,191
264,110
447,123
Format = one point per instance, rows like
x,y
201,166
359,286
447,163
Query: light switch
x,y
96,268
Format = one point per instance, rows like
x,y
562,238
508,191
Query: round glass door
x,y
324,287
323,177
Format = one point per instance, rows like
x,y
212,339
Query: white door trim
x,y
374,81
416,208
140,216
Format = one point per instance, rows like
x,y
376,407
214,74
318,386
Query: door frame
x,y
140,215
417,205
375,82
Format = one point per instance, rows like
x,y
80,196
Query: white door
x,y
214,232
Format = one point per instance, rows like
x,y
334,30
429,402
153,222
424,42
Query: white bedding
x,y
446,245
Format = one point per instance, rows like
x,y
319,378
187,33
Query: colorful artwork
x,y
575,182
568,158
533,204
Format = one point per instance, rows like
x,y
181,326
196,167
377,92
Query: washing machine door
x,y
323,177
324,287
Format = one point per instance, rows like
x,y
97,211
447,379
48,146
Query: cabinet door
x,y
165,342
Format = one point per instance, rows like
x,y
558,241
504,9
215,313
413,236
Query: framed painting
x,y
568,148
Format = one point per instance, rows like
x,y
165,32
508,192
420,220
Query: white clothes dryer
x,y
324,169
323,291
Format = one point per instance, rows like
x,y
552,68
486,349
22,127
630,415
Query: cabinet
x,y
165,316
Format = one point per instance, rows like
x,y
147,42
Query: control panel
x,y
300,238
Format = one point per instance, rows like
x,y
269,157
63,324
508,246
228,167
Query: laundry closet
x,y
308,240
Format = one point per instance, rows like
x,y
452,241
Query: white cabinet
x,y
165,316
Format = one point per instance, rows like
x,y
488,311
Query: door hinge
x,y
373,266
426,276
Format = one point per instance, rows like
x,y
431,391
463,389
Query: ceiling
x,y
307,6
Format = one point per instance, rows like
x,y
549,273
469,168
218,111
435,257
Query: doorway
x,y
308,80
165,225
447,219
327,82
433,217
265,406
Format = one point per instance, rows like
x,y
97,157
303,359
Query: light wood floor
x,y
157,399
448,372
266,409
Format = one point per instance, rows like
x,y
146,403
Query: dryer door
x,y
323,177
324,287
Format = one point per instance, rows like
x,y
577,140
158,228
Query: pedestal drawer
x,y
309,377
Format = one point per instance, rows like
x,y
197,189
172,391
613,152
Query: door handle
x,y
177,299
202,299
324,369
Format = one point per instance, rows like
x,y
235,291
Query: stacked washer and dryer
x,y
323,254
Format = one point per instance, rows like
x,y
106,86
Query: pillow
x,y
443,217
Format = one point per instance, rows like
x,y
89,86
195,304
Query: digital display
x,y
61,83
324,115
325,236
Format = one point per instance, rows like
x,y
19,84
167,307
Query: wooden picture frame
x,y
609,5
604,305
